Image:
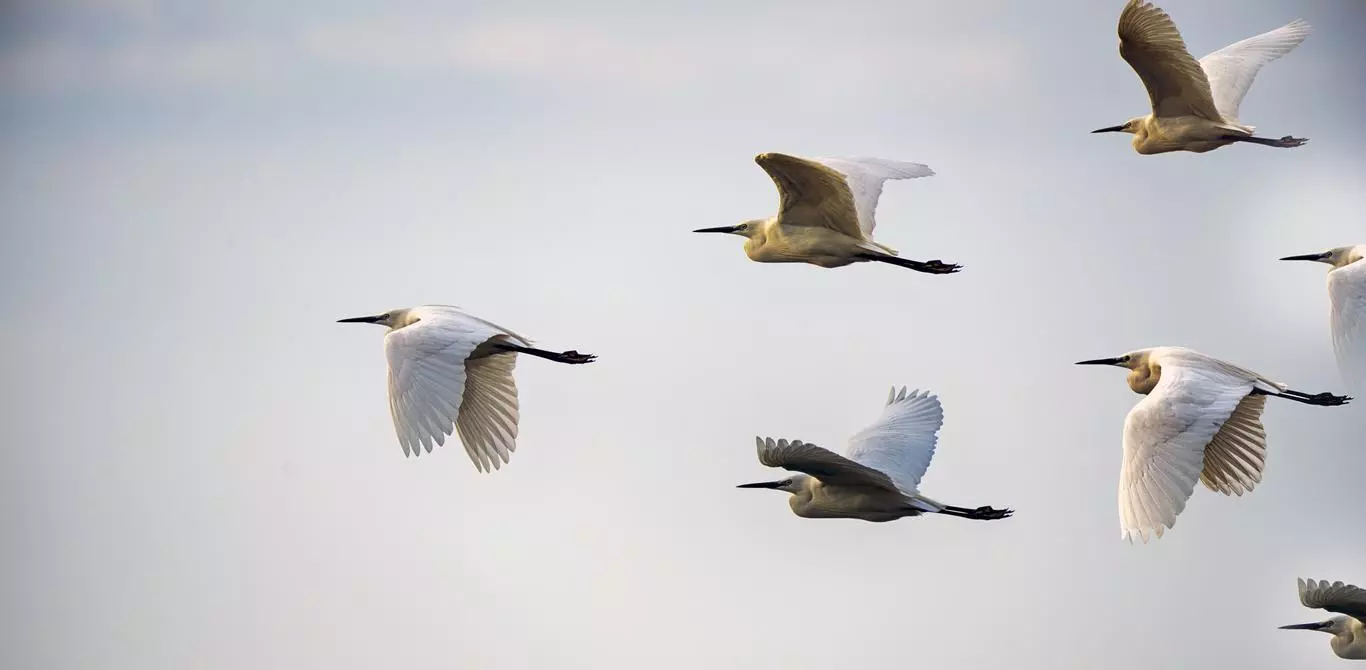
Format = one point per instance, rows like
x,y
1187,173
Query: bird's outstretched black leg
x,y
1320,399
571,357
1286,142
983,513
934,267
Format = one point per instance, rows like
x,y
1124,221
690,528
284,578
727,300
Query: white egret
x,y
1349,630
448,371
1201,420
877,479
1347,292
825,213
1195,104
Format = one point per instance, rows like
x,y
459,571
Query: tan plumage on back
x,y
811,194
1150,42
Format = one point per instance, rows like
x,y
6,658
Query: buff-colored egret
x,y
1348,630
825,213
1201,420
448,371
1347,293
878,477
1195,104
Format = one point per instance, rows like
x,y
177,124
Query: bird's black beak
x,y
719,229
1307,257
363,319
761,485
1109,129
1102,361
1304,626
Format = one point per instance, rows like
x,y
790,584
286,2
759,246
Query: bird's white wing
x,y
1336,597
901,442
488,411
1347,290
811,194
1231,69
865,177
1165,436
428,377
1235,458
823,464
1151,44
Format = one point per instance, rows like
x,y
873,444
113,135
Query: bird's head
x,y
1338,258
792,484
1133,360
394,318
1333,626
1144,372
747,229
1134,126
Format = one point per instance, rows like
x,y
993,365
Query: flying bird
x,y
1201,420
1195,104
448,371
825,213
1348,630
1347,292
877,478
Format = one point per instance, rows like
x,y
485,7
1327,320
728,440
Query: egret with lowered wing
x,y
878,478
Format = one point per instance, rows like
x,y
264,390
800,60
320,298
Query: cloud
x,y
610,56
57,65
568,52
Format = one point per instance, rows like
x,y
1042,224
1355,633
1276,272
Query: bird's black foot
x,y
574,358
1289,142
983,513
1320,399
1327,400
935,267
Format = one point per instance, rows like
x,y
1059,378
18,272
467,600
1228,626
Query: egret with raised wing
x,y
448,371
1349,629
1195,104
825,213
1347,293
1201,420
878,477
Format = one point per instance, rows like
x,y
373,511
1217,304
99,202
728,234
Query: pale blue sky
x,y
202,471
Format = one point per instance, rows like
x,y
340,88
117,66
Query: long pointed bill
x,y
362,319
718,229
1109,129
1303,626
760,485
1306,257
1100,361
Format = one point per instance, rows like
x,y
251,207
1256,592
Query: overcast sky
x,y
201,471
